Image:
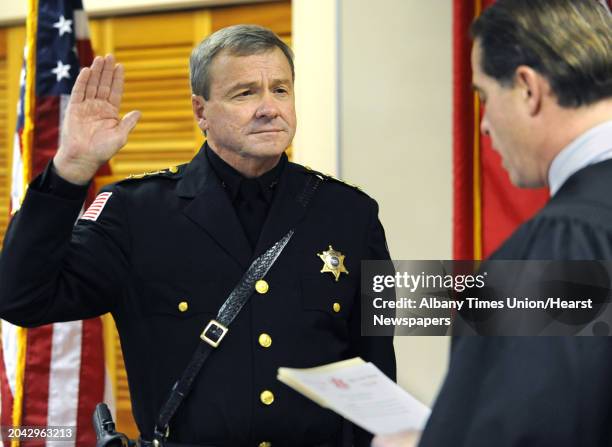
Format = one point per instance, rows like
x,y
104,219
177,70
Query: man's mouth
x,y
267,131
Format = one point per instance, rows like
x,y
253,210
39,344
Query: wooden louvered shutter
x,y
155,51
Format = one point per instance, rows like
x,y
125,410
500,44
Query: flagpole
x,y
26,153
30,91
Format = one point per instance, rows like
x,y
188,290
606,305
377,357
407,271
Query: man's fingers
x,y
106,78
128,122
78,90
116,90
94,78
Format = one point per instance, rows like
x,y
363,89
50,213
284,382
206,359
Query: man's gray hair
x,y
238,40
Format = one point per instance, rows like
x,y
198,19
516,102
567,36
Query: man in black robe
x,y
543,70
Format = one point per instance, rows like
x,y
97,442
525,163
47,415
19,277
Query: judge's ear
x,y
532,86
198,105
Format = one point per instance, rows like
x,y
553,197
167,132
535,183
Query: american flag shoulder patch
x,y
95,209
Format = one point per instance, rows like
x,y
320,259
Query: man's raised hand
x,y
92,131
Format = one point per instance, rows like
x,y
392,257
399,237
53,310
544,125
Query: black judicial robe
x,y
537,391
163,256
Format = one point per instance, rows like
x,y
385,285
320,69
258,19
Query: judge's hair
x,y
569,42
237,40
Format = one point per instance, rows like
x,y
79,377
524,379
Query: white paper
x,y
362,394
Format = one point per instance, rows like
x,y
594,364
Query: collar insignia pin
x,y
333,262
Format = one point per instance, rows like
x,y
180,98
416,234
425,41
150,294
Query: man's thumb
x,y
128,122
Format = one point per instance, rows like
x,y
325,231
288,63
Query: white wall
x,y
314,37
395,115
388,65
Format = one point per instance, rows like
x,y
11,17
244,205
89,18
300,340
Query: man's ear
x,y
198,105
532,86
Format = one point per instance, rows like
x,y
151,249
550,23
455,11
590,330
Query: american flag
x,y
94,210
55,374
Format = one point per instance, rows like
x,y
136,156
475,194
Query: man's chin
x,y
269,147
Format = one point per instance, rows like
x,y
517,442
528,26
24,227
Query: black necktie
x,y
251,208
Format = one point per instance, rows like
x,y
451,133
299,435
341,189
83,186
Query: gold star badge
x,y
333,262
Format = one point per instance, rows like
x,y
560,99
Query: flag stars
x,y
61,71
63,25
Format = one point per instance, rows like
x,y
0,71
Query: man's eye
x,y
244,93
281,90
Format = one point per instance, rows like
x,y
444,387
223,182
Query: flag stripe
x,y
9,348
36,378
46,136
17,181
91,391
64,100
6,393
64,375
85,52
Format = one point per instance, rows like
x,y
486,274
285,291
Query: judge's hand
x,y
92,131
403,439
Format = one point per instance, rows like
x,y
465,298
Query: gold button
x,y
173,169
265,340
265,444
266,397
183,306
337,307
262,286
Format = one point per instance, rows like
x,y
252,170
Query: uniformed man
x,y
162,251
544,70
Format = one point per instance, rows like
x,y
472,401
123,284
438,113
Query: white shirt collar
x,y
591,147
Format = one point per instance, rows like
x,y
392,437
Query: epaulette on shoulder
x,y
170,172
331,178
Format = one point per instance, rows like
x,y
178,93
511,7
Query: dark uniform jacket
x,y
162,257
537,391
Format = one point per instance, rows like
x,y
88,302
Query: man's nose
x,y
268,107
